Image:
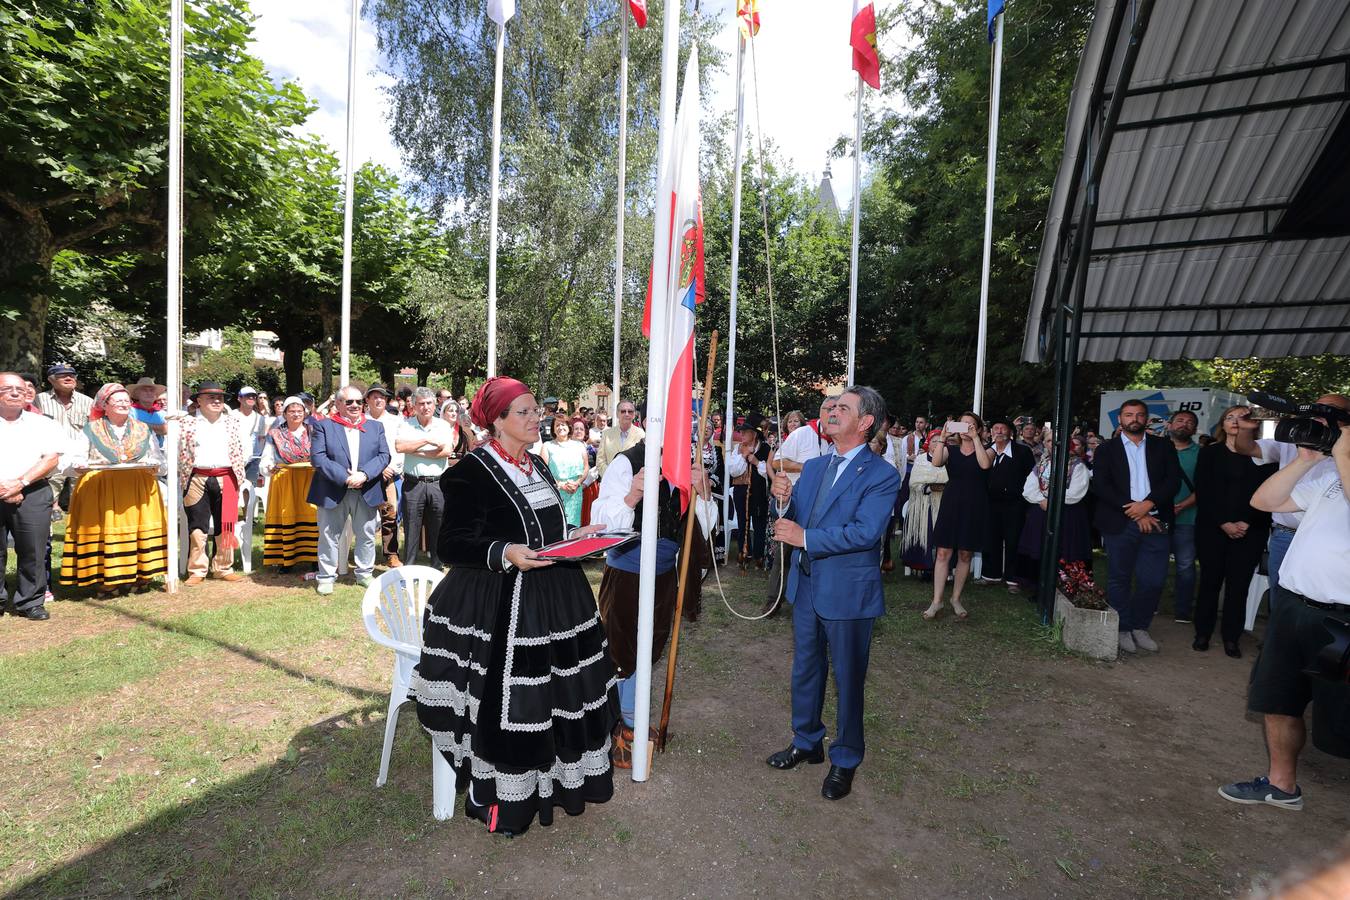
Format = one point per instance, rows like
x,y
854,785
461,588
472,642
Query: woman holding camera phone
x,y
964,515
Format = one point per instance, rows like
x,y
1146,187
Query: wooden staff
x,y
684,556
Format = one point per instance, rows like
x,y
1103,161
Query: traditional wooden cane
x,y
684,556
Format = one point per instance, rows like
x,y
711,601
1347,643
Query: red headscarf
x,y
100,407
494,398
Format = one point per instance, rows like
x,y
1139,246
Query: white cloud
x,y
306,41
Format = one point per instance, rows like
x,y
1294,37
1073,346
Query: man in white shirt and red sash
x,y
212,456
30,446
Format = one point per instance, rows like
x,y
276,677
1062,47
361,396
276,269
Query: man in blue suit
x,y
836,518
349,454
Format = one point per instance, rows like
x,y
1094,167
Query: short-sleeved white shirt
x,y
1283,454
801,445
26,440
1318,562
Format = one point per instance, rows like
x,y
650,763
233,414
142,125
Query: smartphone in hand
x,y
958,427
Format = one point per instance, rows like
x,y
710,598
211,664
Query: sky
x,y
805,80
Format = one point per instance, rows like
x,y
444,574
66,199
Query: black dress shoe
x,y
1200,643
838,783
36,613
1232,649
787,759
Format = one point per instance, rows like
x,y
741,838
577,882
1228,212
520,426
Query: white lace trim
x,y
593,621
443,693
467,630
555,672
515,787
456,659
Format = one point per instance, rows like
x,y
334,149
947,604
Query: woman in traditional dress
x,y
1075,525
926,484
515,685
116,536
291,528
567,461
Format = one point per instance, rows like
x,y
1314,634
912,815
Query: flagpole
x,y
492,214
173,325
728,420
623,178
853,259
992,154
657,365
348,203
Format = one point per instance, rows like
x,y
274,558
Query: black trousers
x,y
205,514
758,523
423,506
1005,530
30,524
1228,565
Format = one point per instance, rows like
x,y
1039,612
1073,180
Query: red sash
x,y
229,504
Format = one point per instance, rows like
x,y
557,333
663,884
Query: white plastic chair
x,y
1256,593
392,610
243,529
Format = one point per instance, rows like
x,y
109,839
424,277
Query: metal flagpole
x,y
173,326
492,214
657,364
853,264
623,196
728,420
981,344
348,203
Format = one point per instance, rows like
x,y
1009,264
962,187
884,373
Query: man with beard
x,y
1181,429
1135,478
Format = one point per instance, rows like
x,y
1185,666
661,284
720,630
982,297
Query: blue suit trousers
x,y
815,642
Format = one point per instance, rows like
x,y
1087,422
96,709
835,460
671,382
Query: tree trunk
x,y
326,353
422,372
387,374
457,384
292,360
26,252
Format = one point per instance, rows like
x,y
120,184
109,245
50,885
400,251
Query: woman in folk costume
x,y
1075,527
926,483
116,536
515,685
291,529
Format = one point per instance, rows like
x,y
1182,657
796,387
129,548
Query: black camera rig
x,y
1312,425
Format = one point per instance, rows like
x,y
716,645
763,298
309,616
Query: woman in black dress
x,y
1229,533
514,685
963,520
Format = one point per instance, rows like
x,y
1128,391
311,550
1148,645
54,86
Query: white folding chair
x,y
1256,593
243,529
392,610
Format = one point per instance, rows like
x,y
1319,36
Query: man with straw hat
x,y
212,455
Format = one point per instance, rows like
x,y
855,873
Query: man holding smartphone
x,y
1135,478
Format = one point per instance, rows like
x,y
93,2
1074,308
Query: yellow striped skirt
x,y
291,528
115,534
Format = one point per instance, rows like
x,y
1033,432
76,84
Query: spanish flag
x,y
747,11
863,38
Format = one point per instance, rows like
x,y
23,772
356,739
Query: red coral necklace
x,y
526,464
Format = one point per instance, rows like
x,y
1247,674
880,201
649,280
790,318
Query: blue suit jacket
x,y
332,462
844,542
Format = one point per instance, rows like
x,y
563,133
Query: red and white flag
x,y
639,11
863,39
677,282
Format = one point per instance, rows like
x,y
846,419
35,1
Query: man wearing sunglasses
x,y
349,454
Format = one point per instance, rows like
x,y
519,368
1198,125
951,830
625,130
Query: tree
x,y
560,120
83,134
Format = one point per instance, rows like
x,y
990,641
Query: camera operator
x,y
1316,586
1284,524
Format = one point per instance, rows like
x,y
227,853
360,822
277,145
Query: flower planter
x,y
1092,632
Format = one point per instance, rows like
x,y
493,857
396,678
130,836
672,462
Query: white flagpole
x,y
623,196
983,336
657,364
348,203
728,419
853,259
173,326
492,214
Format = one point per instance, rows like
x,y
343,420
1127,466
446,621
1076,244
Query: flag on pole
x,y
747,12
995,10
500,11
678,283
639,10
863,38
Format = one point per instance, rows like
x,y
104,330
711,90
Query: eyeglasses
x,y
527,414
10,389
356,402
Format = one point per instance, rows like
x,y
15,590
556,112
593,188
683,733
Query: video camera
x,y
1299,427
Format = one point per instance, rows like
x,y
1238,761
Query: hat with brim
x,y
143,383
247,391
60,369
378,388
208,387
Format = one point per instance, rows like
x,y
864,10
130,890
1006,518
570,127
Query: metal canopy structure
x,y
1202,206
1222,223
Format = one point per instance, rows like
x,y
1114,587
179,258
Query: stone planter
x,y
1092,632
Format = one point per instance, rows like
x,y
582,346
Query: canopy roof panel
x,y
1222,219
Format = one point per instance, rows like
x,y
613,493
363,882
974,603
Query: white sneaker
x,y
326,587
364,580
1126,642
1143,641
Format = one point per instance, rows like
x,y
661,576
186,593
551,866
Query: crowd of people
x,y
483,487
